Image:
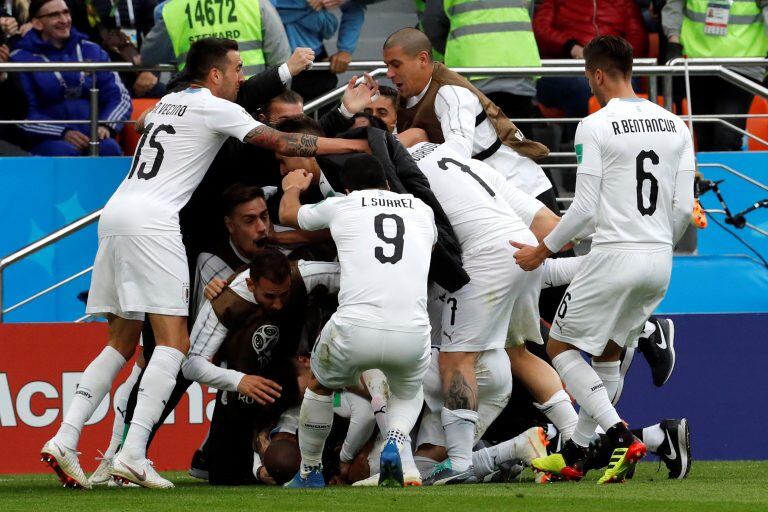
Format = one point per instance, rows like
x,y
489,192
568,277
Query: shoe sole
x,y
122,478
567,473
684,452
391,474
671,342
64,478
634,453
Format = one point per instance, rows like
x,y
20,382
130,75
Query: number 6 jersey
x,y
182,135
384,240
637,149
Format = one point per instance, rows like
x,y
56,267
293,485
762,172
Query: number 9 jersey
x,y
638,149
385,241
182,135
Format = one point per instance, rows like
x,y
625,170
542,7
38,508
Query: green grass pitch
x,y
712,486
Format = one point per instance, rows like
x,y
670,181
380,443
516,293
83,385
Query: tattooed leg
x,y
459,414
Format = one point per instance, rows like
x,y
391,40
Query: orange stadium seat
x,y
129,137
758,126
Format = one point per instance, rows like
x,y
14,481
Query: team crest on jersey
x,y
263,341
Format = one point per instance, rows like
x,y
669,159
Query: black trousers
x,y
713,95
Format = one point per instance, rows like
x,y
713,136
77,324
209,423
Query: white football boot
x,y
65,463
534,446
101,476
139,472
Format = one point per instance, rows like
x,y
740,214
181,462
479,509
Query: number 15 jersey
x,y
637,148
182,135
384,241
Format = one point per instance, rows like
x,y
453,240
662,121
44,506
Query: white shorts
x,y
138,274
477,317
494,386
611,297
344,351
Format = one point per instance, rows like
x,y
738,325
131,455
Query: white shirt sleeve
x,y
559,271
589,175
456,108
316,273
579,216
205,340
587,145
682,199
316,216
228,118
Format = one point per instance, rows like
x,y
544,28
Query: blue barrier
x,y
718,384
38,196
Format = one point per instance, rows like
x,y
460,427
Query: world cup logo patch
x,y
263,341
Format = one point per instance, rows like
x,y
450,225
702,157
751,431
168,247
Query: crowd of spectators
x,y
153,32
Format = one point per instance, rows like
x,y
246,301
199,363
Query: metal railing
x,y
38,246
91,68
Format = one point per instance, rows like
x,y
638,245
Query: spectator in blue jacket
x,y
308,23
65,95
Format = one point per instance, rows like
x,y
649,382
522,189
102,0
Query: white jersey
x,y
637,148
385,243
182,135
481,205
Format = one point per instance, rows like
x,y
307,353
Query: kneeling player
x,y
384,242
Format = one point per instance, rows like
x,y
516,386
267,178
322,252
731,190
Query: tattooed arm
x,y
302,144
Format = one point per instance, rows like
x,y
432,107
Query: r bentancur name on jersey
x,y
643,126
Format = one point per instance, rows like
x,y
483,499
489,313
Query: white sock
x,y
315,421
653,437
609,373
376,382
459,426
154,389
119,405
406,457
94,385
649,329
559,410
425,465
402,413
588,389
487,460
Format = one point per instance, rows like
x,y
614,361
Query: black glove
x,y
674,50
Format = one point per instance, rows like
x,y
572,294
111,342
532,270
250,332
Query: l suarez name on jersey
x,y
643,126
390,203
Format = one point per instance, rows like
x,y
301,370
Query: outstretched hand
x,y
529,257
357,97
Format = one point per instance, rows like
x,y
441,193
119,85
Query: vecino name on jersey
x,y
169,109
392,203
643,126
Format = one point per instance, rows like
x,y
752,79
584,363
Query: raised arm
x,y
302,144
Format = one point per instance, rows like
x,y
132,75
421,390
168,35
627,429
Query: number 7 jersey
x,y
637,148
182,135
384,241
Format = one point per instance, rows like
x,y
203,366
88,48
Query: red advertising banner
x,y
40,368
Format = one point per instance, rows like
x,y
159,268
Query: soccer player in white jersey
x,y
141,268
384,242
635,181
485,211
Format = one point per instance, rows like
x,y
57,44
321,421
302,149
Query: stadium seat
x,y
129,137
550,112
758,126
